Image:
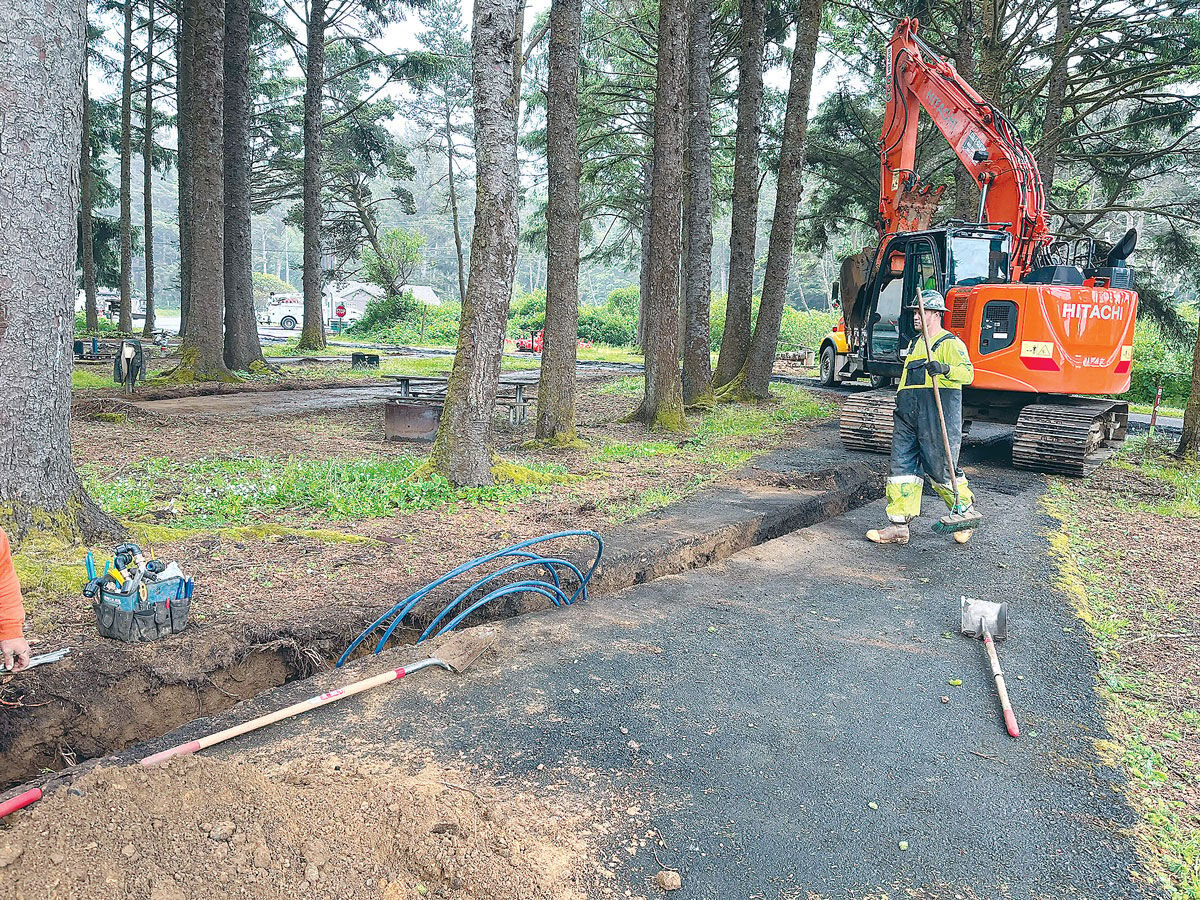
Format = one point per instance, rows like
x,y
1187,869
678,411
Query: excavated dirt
x,y
312,829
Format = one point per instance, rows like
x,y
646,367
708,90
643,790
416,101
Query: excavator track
x,y
1072,437
867,421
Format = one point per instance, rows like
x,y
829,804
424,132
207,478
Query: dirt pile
x,y
200,828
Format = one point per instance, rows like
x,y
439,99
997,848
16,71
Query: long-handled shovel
x,y
987,620
455,656
958,519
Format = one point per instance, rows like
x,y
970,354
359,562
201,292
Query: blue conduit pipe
x,y
524,558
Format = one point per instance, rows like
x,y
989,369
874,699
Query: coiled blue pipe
x,y
525,557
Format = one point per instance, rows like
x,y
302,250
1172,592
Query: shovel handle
x,y
1010,721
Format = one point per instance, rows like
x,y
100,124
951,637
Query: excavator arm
x,y
982,137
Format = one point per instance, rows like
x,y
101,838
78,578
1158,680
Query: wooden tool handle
x,y
1010,720
270,718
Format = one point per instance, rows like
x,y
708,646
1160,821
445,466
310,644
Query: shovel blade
x,y
462,649
978,615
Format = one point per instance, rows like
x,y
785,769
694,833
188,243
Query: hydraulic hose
x,y
524,557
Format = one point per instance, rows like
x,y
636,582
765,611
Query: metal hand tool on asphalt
x,y
988,620
454,656
956,519
44,659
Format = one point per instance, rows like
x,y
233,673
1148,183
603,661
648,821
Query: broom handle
x,y
1010,720
951,463
287,712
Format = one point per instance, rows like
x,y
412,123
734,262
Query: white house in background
x,y
355,295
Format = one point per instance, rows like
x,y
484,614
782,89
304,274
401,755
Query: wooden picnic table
x,y
425,387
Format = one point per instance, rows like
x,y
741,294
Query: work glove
x,y
933,367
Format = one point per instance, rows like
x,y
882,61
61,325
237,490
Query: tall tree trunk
x,y
183,91
85,209
556,385
462,450
41,78
644,266
312,335
458,241
125,319
755,377
735,338
203,347
697,359
1189,441
966,191
1056,90
243,352
148,172
662,405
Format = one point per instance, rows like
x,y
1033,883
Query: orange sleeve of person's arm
x,y
12,613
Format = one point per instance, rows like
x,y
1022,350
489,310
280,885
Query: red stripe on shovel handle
x,y
33,795
171,753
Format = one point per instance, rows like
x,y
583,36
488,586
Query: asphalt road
x,y
754,711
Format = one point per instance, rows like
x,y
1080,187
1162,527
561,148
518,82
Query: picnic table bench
x,y
404,417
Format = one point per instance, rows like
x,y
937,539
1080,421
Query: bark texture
x,y
644,268
735,338
966,191
125,318
1056,91
148,171
183,90
312,335
451,180
1189,441
556,384
755,377
662,405
88,262
462,450
203,347
697,361
41,129
242,348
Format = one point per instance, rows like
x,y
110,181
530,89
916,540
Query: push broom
x,y
958,519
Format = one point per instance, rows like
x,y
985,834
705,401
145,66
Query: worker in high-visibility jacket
x,y
917,449
13,646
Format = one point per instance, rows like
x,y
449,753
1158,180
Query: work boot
x,y
961,537
895,533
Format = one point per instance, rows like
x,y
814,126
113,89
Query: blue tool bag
x,y
136,599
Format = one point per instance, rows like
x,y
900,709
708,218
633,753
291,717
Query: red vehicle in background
x,y
531,344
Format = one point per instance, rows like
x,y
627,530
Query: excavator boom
x,y
982,137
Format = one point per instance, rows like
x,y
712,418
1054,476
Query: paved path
x,y
756,708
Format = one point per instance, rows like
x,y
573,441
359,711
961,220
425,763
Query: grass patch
x,y
1148,408
1145,705
647,501
642,450
601,353
1156,461
217,492
90,378
628,385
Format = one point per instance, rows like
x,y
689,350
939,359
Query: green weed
x,y
631,385
213,492
618,450
92,378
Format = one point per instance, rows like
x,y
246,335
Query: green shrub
x,y
602,325
1154,358
527,314
625,300
103,325
386,312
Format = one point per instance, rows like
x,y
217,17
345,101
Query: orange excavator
x,y
1049,323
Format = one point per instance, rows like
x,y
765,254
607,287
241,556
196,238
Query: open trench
x,y
111,695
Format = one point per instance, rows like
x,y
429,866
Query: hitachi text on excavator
x,y
1048,322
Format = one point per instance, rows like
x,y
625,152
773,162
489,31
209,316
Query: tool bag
x,y
150,602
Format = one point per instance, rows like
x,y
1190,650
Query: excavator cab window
x,y
978,259
889,304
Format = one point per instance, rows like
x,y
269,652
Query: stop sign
x,y
341,311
